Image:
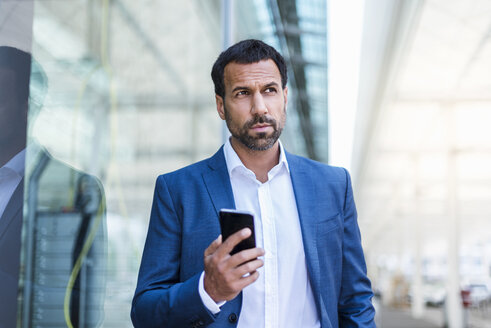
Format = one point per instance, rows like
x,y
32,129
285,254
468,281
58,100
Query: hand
x,y
224,274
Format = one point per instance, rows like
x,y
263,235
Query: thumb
x,y
213,246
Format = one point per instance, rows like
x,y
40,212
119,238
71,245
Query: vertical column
x,y
227,41
227,23
417,302
454,309
192,106
417,305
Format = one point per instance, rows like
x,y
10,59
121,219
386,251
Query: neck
x,y
258,161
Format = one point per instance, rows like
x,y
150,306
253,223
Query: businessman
x,y
308,268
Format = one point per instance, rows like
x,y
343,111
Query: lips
x,y
260,124
260,127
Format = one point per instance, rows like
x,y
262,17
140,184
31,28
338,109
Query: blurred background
x,y
397,91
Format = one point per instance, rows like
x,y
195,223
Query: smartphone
x,y
232,221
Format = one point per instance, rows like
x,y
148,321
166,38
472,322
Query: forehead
x,y
262,72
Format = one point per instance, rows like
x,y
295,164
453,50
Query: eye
x,y
242,93
270,90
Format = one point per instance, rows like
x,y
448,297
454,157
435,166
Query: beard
x,y
260,141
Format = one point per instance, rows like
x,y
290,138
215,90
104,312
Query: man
x,y
68,204
14,91
308,269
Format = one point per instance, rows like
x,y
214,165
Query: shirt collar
x,y
17,163
233,161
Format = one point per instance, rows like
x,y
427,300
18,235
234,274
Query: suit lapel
x,y
13,208
303,188
217,182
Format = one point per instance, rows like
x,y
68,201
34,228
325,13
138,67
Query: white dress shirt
x,y
11,175
14,170
282,296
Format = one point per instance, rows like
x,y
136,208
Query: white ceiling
x,y
426,112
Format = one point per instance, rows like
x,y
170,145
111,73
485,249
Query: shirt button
x,y
232,318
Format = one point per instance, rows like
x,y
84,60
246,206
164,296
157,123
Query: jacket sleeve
x,y
355,307
161,299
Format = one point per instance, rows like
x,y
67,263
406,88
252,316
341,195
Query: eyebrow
x,y
270,84
239,88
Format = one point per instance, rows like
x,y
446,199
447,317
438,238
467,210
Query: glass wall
x,y
120,92
299,30
127,98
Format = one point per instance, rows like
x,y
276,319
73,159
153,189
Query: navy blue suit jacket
x,y
184,221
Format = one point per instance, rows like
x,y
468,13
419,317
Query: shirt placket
x,y
270,257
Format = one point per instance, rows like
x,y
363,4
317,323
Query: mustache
x,y
262,119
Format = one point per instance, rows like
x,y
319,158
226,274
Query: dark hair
x,y
20,63
246,52
30,79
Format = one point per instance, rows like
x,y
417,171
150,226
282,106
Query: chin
x,y
265,145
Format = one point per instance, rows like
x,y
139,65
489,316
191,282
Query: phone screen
x,y
232,221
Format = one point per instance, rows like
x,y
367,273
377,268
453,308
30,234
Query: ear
x,y
285,95
220,106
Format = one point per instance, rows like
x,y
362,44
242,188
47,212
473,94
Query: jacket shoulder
x,y
324,171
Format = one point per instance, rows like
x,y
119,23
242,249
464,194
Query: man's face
x,y
255,104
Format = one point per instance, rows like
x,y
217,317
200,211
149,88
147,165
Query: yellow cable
x,y
78,264
95,225
113,136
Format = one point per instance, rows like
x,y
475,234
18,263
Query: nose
x,y
258,105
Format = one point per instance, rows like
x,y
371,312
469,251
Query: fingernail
x,y
246,231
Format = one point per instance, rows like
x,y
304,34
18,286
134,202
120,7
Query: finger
x,y
246,281
229,244
213,246
249,267
244,256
